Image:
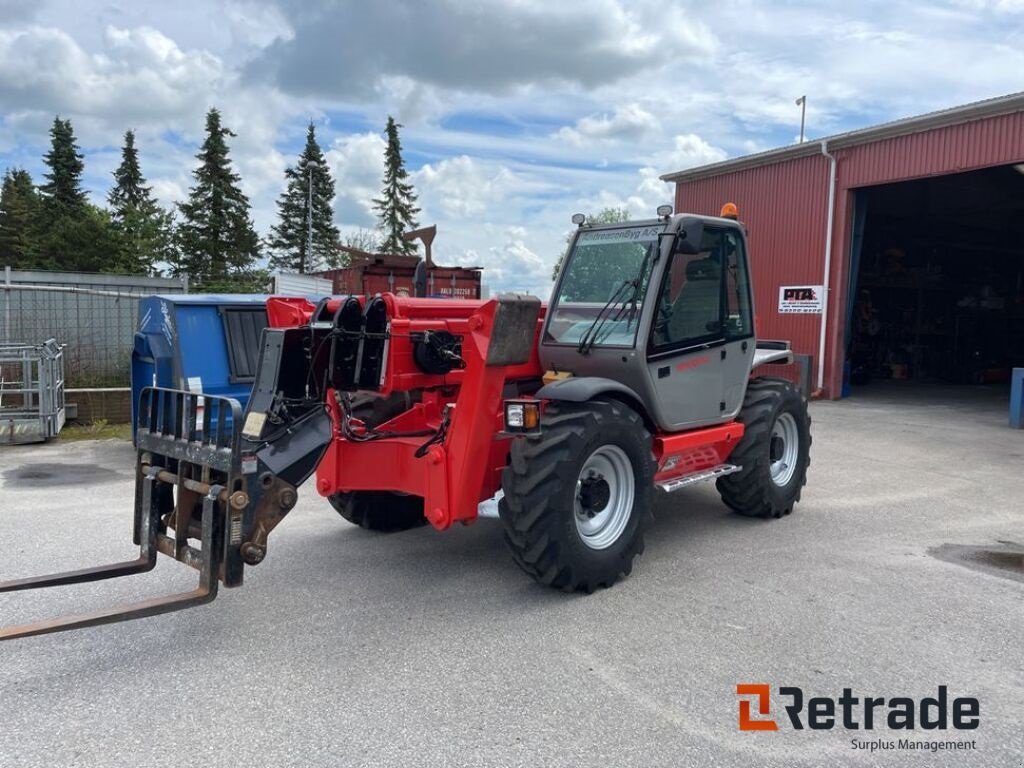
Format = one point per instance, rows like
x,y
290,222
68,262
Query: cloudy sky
x,y
517,113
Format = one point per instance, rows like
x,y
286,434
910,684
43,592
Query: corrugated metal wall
x,y
782,207
785,204
956,148
291,284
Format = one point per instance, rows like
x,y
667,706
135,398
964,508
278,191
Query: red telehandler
x,y
563,422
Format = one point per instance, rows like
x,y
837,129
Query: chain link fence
x,y
94,316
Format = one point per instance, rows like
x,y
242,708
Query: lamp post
x,y
802,103
310,166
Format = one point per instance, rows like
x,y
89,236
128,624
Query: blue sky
x,y
516,113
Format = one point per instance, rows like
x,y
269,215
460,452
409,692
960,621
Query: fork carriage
x,y
200,499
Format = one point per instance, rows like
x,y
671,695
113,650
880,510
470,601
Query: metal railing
x,y
32,407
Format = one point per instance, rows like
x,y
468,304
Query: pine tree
x,y
218,243
63,187
69,233
290,239
397,204
130,190
145,229
19,205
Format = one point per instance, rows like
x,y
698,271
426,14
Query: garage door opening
x,y
937,287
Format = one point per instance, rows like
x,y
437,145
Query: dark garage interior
x,y
937,283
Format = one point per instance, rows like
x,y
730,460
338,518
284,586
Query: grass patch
x,y
98,430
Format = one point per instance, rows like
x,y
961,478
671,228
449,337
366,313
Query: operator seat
x,y
696,312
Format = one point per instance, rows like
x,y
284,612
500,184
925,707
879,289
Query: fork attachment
x,y
204,496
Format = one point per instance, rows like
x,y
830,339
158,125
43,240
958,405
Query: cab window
x,y
739,320
705,296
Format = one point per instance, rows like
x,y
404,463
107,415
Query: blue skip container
x,y
200,342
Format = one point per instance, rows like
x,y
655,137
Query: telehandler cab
x,y
563,422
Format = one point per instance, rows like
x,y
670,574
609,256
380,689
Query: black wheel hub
x,y
594,494
776,448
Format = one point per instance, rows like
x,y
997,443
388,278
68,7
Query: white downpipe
x,y
827,279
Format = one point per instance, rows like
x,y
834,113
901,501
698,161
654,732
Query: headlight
x,y
522,416
514,416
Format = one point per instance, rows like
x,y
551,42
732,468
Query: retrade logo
x,y
939,712
762,693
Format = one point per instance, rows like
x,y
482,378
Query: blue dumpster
x,y
202,342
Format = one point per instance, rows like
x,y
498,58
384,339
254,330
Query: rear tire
x,y
577,498
774,451
380,510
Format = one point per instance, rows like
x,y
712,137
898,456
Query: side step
x,y
675,483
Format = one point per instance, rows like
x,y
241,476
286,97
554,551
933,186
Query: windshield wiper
x,y
589,336
628,302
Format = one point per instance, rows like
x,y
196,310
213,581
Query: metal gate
x,y
31,392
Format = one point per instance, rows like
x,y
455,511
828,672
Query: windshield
x,y
598,271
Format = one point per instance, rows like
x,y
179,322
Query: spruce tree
x,y
290,238
19,205
63,187
69,233
130,190
144,228
397,204
219,246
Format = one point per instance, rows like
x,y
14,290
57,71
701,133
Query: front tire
x,y
774,452
577,498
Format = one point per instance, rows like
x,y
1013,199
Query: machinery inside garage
x,y
937,280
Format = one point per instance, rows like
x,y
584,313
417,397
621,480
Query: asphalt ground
x,y
347,648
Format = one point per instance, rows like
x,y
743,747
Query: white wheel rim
x,y
605,491
784,451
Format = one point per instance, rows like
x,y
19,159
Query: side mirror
x,y
690,237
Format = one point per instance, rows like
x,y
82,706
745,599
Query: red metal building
x,y
808,207
371,273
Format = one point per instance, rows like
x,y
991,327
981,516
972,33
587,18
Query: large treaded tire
x,y
380,510
538,511
752,492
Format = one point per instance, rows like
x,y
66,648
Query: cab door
x,y
701,339
738,320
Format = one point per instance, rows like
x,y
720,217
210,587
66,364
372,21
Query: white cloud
x,y
168,191
463,187
357,163
630,122
511,265
459,186
640,195
688,151
142,75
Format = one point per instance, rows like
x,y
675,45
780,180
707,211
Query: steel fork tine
x,y
152,607
204,593
98,573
